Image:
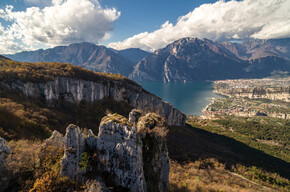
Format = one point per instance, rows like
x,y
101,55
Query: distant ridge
x,y
2,57
187,59
257,48
87,55
134,54
193,59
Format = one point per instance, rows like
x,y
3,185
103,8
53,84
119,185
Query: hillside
x,y
57,88
202,158
133,54
256,48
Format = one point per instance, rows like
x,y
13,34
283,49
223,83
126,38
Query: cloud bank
x,y
262,19
63,22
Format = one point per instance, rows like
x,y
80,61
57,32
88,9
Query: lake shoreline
x,y
189,97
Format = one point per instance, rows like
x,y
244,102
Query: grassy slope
x,y
21,117
45,71
203,157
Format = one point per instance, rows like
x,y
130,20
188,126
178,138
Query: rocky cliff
x,y
63,89
64,83
130,155
4,152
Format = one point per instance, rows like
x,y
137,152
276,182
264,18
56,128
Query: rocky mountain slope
x,y
86,55
193,59
57,83
257,48
133,54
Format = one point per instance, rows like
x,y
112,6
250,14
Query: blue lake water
x,y
190,98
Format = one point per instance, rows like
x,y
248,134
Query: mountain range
x,y
187,59
87,55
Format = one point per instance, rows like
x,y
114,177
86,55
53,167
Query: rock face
x,y
121,155
64,89
152,130
129,157
4,152
74,146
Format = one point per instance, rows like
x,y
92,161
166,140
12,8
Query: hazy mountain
x,y
189,59
86,55
257,48
193,59
2,57
133,54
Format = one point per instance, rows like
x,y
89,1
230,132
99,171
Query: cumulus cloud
x,y
63,22
262,19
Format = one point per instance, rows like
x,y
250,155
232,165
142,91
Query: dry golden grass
x,y
116,118
213,157
45,71
36,167
208,175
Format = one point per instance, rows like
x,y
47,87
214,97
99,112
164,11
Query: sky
x,y
149,25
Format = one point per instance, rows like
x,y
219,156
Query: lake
x,y
190,98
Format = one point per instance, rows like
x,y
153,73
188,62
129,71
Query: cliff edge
x,y
56,83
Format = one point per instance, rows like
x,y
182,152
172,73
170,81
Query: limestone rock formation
x,y
74,146
132,157
4,152
120,154
56,139
134,116
65,89
153,132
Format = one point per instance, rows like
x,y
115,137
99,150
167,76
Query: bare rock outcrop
x,y
131,157
4,152
120,154
56,139
74,146
152,130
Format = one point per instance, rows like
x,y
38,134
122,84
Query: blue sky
x,y
139,16
149,25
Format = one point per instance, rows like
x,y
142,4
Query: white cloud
x,y
63,22
222,20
